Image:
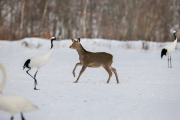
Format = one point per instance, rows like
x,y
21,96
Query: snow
x,y
148,90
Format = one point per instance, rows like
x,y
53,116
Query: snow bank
x,y
100,44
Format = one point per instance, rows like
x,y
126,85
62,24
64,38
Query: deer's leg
x,y
78,64
109,72
82,70
114,71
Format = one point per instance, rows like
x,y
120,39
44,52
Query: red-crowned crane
x,y
14,103
38,62
169,49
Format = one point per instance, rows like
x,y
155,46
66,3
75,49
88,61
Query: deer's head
x,y
75,44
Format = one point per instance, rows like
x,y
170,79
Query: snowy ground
x,y
148,89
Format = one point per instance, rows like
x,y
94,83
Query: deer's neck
x,y
81,50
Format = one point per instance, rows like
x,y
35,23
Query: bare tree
x,y
150,20
84,17
22,17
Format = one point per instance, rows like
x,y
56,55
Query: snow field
x,y
147,90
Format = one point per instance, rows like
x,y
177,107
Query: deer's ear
x,y
78,40
72,40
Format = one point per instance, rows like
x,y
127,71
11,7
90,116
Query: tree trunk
x,y
22,17
84,18
43,17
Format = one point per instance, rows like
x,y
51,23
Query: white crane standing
x,y
38,62
169,49
14,103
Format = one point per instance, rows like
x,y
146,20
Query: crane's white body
x,y
13,103
171,47
39,61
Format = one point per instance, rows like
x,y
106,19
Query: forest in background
x,y
151,20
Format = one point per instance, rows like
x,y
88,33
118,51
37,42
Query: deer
x,y
94,60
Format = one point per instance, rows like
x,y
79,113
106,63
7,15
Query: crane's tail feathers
x,y
163,52
26,64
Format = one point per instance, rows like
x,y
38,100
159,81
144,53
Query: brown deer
x,y
90,59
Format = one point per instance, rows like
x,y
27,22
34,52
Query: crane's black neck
x,y
174,35
51,44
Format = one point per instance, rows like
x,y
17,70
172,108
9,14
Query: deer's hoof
x,y
75,81
108,82
73,74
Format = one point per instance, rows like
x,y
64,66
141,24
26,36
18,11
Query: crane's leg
x,y
22,117
170,62
28,73
12,115
12,118
35,81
